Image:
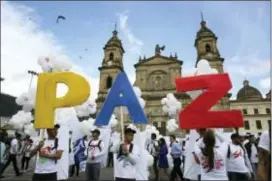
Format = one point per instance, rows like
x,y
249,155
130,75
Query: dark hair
x,y
207,151
162,141
173,136
57,126
153,136
234,136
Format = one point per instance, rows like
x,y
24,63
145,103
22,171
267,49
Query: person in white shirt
x,y
264,165
195,161
49,151
127,156
212,159
153,148
96,152
238,165
13,151
251,149
26,152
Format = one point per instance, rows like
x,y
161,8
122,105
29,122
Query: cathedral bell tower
x,y
112,64
206,46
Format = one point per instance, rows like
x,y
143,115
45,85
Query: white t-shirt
x,y
151,147
93,150
254,154
219,171
27,150
125,167
46,165
14,146
236,162
264,141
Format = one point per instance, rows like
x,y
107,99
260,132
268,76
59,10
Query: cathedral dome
x,y
249,93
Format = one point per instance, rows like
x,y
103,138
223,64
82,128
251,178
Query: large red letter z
x,y
197,114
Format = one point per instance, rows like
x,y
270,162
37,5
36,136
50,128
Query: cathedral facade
x,y
155,75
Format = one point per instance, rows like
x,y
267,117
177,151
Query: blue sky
x,y
243,30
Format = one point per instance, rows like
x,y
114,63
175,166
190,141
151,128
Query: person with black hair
x,y
26,154
128,155
238,165
252,152
176,154
212,158
79,154
96,152
48,152
162,159
13,151
153,148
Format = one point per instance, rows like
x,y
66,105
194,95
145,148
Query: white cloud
x,y
22,42
265,83
134,44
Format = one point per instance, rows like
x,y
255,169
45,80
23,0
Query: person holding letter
x,y
49,151
127,156
95,153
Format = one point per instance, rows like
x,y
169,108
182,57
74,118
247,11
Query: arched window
x,y
208,48
111,56
109,82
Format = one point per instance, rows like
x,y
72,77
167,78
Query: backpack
x,y
98,145
121,152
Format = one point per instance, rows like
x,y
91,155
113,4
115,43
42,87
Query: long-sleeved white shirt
x,y
94,151
125,166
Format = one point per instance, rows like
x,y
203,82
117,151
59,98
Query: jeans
x,y
93,171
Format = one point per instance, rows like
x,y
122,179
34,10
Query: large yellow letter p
x,y
46,97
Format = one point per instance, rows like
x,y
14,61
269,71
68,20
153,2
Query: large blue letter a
x,y
121,94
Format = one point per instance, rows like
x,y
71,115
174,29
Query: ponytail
x,y
208,150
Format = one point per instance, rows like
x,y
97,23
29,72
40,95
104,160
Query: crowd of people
x,y
214,157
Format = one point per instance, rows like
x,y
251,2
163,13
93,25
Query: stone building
x,y
155,75
256,109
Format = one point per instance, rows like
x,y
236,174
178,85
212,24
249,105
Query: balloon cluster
x,y
171,125
52,63
138,93
170,105
203,68
113,121
150,130
27,100
20,119
87,108
87,126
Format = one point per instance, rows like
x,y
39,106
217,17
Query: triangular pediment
x,y
158,60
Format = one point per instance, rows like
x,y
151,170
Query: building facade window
x,y
268,111
111,56
247,126
109,82
256,111
244,111
258,124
